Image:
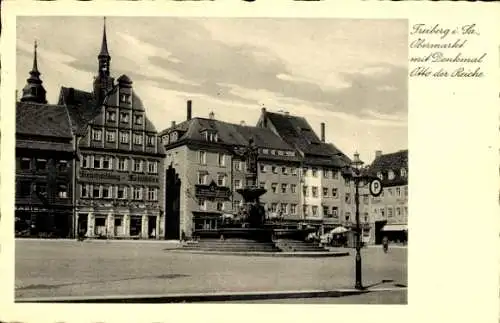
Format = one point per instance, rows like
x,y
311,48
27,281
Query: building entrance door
x,y
152,230
82,224
172,204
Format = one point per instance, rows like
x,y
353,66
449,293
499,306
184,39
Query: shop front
x,y
396,233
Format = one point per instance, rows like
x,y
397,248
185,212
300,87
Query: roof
x,y
81,106
44,145
391,162
229,133
297,132
112,96
44,120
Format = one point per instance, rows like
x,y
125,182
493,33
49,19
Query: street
x,y
99,268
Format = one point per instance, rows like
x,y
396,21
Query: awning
x,y
395,227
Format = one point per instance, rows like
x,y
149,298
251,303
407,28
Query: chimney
x,y
378,153
173,124
242,123
189,110
264,117
322,132
211,115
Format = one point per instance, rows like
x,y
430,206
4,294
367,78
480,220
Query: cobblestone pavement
x,y
94,268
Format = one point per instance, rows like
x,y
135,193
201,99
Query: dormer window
x,y
209,135
165,139
125,98
390,175
138,119
403,172
380,175
173,136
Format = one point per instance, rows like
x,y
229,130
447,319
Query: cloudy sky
x,y
351,74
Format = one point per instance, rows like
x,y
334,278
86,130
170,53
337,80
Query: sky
x,y
350,74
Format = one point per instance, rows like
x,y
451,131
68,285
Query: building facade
x,y
45,161
118,180
389,211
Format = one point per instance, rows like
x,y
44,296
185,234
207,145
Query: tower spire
x,y
104,45
34,91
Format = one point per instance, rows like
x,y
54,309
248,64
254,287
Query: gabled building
x,y
118,180
390,210
45,148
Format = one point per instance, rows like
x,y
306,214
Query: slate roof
x,y
81,106
230,134
42,120
297,132
392,161
44,145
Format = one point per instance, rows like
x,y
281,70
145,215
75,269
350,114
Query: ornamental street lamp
x,y
361,179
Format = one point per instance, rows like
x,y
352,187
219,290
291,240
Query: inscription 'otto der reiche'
x,y
445,52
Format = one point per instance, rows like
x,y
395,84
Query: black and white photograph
x,y
191,159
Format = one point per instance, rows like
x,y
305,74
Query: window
x,y
265,151
274,169
335,192
138,119
389,190
122,192
124,137
398,191
137,165
325,211
294,171
96,191
210,136
111,116
315,191
325,191
293,208
237,165
25,163
390,175
365,199
202,157
382,212
97,162
366,216
137,139
220,206
274,207
305,209
97,134
380,175
389,212
25,188
304,171
152,194
284,188
151,141
325,172
406,190
202,178
347,216
152,167
262,168
305,191
107,192
403,172
284,170
107,162
293,188
110,135
41,189
284,208
173,136
84,190
221,160
315,210
221,180
137,193
41,164
236,205
237,183
335,211
335,174
122,164
398,211
348,198
314,172
125,98
274,187
406,210
62,165
124,117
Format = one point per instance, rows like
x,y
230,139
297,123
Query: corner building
x,y
118,182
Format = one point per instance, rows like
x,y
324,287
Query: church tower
x,y
103,83
34,91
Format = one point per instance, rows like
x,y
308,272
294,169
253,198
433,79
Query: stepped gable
x,y
392,161
82,108
297,132
43,126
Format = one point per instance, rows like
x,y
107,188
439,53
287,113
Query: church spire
x,y
103,82
104,45
34,91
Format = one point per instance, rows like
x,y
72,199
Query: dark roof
x,y
391,162
44,120
298,133
112,96
44,145
229,134
81,106
124,79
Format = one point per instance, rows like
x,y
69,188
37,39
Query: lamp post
x,y
360,179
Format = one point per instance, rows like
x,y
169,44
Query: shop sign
x,y
212,191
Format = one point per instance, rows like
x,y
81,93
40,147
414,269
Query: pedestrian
x,y
385,244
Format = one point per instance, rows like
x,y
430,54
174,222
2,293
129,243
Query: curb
x,y
263,254
206,297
